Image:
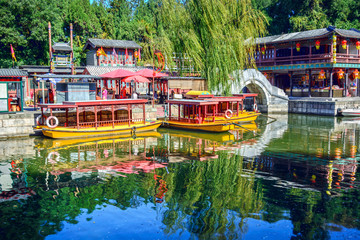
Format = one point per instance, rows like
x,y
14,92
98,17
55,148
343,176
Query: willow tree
x,y
217,34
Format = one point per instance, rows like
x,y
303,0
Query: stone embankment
x,y
322,106
16,125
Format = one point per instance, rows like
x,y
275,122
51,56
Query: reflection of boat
x,y
251,126
104,117
105,155
351,112
47,143
217,137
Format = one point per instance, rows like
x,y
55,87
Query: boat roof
x,y
74,104
228,99
56,105
245,95
193,102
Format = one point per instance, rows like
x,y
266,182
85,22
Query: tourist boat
x,y
95,118
198,115
229,109
351,112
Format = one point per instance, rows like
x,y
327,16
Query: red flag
x,y
12,53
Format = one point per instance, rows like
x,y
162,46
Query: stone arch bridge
x,y
270,98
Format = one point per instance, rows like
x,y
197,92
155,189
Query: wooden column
x,y
346,83
144,114
331,82
179,112
170,112
291,84
205,112
66,117
77,118
237,108
95,111
128,107
292,53
214,113
112,116
200,114
309,83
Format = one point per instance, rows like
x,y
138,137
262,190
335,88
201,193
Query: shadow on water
x,y
294,178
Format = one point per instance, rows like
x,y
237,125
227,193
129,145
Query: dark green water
x,y
293,178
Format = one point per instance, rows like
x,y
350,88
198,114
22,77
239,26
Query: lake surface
x,y
285,177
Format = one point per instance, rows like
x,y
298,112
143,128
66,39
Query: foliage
x,y
216,35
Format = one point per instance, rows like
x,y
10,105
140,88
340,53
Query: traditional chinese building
x,y
111,53
310,63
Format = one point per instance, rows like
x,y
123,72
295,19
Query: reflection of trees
x,y
312,213
43,214
211,196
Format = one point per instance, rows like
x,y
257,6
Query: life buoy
x,y
255,107
228,114
53,159
52,125
39,120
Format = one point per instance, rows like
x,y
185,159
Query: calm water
x,y
289,177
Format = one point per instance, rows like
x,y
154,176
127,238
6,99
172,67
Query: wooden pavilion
x,y
317,63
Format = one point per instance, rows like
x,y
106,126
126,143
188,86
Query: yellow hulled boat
x,y
95,118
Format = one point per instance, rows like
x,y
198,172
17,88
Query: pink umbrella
x,y
119,73
149,73
138,79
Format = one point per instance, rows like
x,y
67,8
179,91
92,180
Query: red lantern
x,y
263,50
265,74
317,45
356,74
298,47
322,74
340,74
344,44
358,45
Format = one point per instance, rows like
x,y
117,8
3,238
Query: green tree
x,y
311,16
217,35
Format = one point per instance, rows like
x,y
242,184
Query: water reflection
x,y
295,177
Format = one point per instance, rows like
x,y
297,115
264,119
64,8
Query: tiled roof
x,y
311,34
45,69
111,43
12,73
60,46
99,70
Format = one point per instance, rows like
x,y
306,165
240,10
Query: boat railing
x,y
122,121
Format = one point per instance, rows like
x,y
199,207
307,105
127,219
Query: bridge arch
x,y
270,98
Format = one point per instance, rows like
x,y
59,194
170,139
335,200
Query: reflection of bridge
x,y
273,130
